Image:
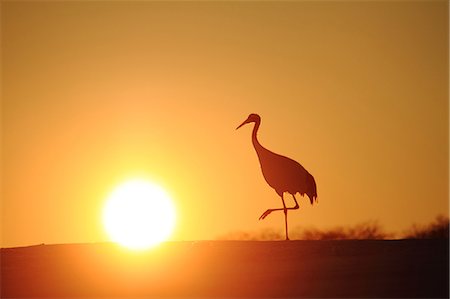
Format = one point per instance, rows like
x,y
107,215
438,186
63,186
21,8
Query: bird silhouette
x,y
281,173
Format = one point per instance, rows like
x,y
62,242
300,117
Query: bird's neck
x,y
255,141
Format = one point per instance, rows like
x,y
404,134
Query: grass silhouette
x,y
369,230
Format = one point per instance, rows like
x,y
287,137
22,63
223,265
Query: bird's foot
x,y
265,214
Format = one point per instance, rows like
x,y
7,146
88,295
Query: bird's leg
x,y
285,218
285,210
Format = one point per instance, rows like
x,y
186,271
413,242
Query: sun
x,y
139,214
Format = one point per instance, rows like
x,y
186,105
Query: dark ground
x,y
312,269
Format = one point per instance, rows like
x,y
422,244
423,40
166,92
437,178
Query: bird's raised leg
x,y
296,203
267,212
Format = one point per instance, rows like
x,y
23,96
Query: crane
x,y
281,173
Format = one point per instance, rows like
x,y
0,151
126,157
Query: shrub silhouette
x,y
438,229
365,230
266,234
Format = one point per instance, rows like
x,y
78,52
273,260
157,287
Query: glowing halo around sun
x,y
139,215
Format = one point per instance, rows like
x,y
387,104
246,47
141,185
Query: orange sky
x,y
94,93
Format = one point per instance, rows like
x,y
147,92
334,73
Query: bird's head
x,y
252,118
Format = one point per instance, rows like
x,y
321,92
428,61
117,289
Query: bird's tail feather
x,y
312,197
312,192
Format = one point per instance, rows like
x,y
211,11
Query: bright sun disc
x,y
139,215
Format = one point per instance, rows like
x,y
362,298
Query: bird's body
x,y
282,173
286,175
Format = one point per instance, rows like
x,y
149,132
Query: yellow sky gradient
x,y
94,93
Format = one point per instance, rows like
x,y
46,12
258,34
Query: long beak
x,y
242,124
